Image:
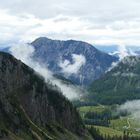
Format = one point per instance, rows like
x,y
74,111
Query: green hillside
x,y
120,84
105,123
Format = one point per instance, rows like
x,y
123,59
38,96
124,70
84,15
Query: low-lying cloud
x,y
121,53
24,52
74,67
132,107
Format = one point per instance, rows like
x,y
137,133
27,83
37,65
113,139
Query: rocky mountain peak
x,y
52,53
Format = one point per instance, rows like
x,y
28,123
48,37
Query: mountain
x,y
120,84
5,49
31,109
137,52
107,48
77,61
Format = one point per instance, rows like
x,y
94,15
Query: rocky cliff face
x,y
32,109
52,52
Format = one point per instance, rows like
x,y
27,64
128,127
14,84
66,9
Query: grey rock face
x,y
51,52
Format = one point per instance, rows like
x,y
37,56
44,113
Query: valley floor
x,y
107,122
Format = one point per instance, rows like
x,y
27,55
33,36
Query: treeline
x,y
78,103
95,133
103,118
95,118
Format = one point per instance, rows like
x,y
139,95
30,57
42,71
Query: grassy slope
x,y
92,108
84,109
109,131
128,123
116,126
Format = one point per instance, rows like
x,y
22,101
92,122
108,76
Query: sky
x,y
100,22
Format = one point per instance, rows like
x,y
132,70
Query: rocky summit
x,y
77,61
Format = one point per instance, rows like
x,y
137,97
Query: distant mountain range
x,y
114,48
77,61
31,109
120,84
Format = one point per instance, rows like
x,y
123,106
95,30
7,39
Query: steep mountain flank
x,y
31,109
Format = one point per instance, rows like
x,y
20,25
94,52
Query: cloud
x,y
74,67
102,22
96,9
123,52
133,53
132,107
24,52
113,65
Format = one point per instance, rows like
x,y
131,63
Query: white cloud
x,y
132,107
24,52
95,21
73,68
123,52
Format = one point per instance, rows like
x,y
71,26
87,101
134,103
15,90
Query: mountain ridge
x,y
118,85
53,52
